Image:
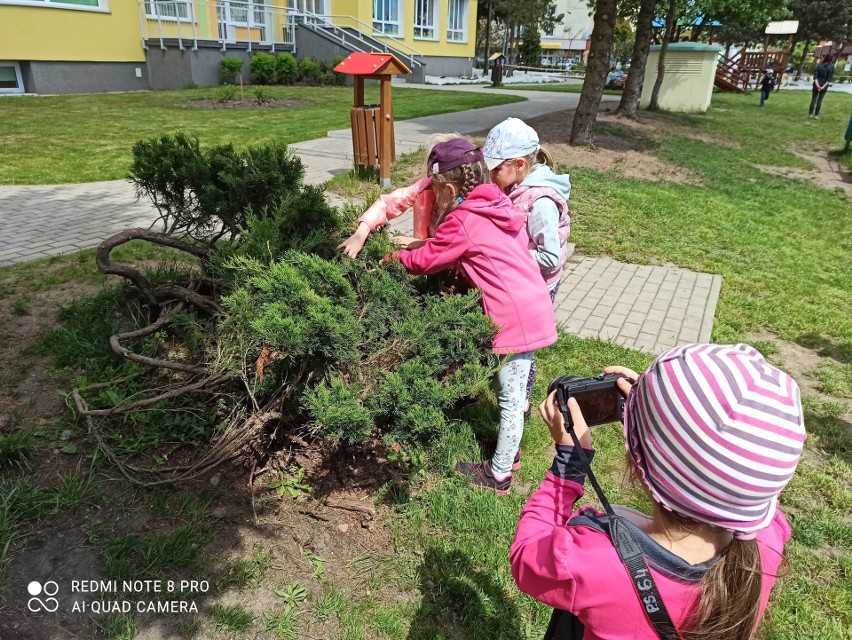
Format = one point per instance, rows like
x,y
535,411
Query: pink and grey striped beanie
x,y
716,433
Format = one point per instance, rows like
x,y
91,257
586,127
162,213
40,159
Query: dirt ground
x,y
244,103
61,547
827,173
622,147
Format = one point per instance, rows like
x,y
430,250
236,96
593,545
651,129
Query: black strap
x,y
626,547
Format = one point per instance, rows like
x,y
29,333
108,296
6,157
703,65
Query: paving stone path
x,y
641,307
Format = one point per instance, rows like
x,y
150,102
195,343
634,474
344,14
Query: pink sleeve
x,y
439,253
390,205
541,555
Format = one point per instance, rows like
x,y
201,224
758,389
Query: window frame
x,y
464,10
153,15
434,20
17,67
551,9
399,22
103,6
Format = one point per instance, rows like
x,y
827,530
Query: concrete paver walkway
x,y
640,307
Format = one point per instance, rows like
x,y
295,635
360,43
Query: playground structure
x,y
737,73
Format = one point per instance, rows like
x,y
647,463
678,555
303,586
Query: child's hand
x,y
387,259
552,417
626,383
353,244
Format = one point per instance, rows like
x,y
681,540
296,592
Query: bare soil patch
x,y
245,103
622,147
827,173
339,522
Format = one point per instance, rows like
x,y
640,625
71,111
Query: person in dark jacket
x,y
823,76
767,83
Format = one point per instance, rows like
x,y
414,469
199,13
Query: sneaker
x,y
516,463
482,476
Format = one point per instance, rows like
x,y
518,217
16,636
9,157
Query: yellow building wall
x,y
49,33
363,11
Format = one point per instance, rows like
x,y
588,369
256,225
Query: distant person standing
x,y
767,83
823,76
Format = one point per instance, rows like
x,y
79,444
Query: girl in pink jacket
x,y
479,229
714,433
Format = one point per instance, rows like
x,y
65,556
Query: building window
x,y
10,78
424,19
61,4
169,9
457,21
386,17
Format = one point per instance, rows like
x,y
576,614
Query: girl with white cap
x,y
524,171
714,433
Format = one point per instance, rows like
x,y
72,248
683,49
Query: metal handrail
x,y
194,8
332,30
372,32
357,30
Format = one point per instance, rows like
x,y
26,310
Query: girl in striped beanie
x,y
714,433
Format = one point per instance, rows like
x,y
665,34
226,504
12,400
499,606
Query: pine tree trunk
x,y
644,34
802,61
597,67
661,65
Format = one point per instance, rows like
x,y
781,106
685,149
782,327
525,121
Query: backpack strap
x,y
627,548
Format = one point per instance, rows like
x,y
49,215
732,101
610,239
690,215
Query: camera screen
x,y
599,406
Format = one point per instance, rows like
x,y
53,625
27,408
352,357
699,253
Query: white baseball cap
x,y
512,138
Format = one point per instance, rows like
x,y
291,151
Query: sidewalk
x,y
640,307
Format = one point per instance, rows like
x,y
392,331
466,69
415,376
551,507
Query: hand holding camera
x,y
590,402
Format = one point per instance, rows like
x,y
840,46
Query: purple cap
x,y
451,154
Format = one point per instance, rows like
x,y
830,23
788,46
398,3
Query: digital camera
x,y
599,398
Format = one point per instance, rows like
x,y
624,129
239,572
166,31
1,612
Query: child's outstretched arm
x,y
441,252
387,207
543,227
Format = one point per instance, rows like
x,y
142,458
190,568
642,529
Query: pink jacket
x,y
486,236
561,558
393,204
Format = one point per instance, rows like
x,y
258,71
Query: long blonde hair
x,y
730,588
539,156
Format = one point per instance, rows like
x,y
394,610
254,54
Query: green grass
x,y
89,137
782,247
779,244
233,618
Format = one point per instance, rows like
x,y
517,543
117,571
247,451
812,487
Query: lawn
x,y
782,247
63,139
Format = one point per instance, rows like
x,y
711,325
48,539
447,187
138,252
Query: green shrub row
x,y
283,68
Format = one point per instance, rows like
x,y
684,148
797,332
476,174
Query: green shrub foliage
x,y
310,71
288,68
230,67
351,348
211,191
264,68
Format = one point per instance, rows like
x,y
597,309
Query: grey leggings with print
x,y
511,398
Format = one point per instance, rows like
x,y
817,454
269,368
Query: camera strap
x,y
627,548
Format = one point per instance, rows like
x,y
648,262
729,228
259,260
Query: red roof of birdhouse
x,y
372,64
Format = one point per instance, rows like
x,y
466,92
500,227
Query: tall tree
x,y
671,18
641,46
821,20
583,128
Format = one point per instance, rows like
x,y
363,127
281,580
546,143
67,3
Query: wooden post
x,y
359,91
386,138
765,52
